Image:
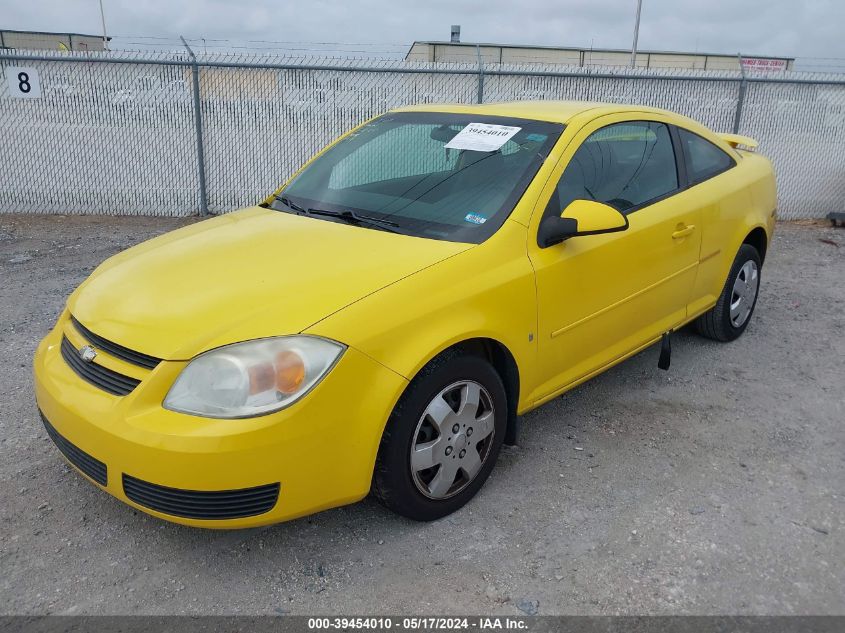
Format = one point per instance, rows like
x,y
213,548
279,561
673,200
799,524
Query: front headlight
x,y
253,378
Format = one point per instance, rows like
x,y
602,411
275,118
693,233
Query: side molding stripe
x,y
566,328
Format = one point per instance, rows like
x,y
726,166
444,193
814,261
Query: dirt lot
x,y
717,487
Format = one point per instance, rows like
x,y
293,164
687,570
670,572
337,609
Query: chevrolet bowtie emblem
x,y
87,353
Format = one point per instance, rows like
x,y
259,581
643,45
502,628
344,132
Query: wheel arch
x,y
759,239
503,361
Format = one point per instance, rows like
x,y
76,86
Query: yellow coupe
x,y
380,321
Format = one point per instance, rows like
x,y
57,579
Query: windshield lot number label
x,y
24,82
482,137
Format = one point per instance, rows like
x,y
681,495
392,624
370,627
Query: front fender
x,y
484,292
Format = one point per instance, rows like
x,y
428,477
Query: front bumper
x,y
318,453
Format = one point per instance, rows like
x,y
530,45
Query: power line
x,y
287,48
403,45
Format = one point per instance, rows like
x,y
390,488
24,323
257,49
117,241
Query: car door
x,y
601,297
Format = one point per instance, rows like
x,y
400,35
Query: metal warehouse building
x,y
520,54
43,40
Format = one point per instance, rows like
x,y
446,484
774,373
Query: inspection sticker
x,y
475,218
482,137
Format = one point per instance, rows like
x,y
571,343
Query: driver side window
x,y
623,165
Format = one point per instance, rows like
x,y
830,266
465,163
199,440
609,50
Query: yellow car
x,y
380,321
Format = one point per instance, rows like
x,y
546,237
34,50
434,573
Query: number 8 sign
x,y
24,82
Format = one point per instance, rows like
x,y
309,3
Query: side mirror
x,y
581,217
444,133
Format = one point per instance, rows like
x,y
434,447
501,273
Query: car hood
x,y
246,275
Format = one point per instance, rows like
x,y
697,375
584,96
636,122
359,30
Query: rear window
x,y
704,160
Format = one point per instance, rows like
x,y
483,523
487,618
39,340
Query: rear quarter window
x,y
704,159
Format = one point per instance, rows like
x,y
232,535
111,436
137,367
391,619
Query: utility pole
x,y
103,19
636,34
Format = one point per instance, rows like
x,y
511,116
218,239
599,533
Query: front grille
x,y
97,375
194,504
113,349
92,467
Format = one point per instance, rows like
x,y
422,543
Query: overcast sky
x,y
800,28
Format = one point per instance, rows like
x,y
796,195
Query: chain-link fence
x,y
171,134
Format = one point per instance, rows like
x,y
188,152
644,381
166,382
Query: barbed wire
x,y
465,54
218,39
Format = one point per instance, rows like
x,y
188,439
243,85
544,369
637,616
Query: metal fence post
x,y
480,98
743,86
195,73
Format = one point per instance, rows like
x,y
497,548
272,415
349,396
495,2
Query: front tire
x,y
442,439
727,320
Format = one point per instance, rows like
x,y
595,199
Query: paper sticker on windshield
x,y
474,218
482,137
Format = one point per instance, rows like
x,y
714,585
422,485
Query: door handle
x,y
687,230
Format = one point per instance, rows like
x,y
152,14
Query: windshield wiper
x,y
290,205
347,215
352,217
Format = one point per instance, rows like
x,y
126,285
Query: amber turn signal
x,y
290,372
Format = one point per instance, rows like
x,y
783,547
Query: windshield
x,y
438,175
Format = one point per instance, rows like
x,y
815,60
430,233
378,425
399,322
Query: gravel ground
x,y
715,488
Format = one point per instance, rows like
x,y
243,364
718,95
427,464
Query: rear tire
x,y
442,439
727,320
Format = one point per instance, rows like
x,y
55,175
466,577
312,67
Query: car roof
x,y
554,111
